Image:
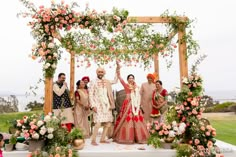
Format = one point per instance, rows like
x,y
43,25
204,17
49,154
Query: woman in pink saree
x,y
130,126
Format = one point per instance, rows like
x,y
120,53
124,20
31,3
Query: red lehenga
x,y
129,128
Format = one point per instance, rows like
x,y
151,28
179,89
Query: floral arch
x,y
102,37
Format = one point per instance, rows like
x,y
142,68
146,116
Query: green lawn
x,y
7,118
225,130
225,125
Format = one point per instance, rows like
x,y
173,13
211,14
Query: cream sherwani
x,y
101,97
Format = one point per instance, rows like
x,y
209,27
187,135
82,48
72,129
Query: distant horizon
x,y
214,93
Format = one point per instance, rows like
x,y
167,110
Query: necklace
x,y
135,101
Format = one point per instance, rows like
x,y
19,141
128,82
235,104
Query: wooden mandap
x,y
183,64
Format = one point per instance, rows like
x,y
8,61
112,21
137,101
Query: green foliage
x,y
60,137
76,133
178,24
154,140
183,150
172,115
34,106
233,108
13,139
101,37
223,107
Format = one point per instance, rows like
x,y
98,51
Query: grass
x,y
226,130
225,124
7,118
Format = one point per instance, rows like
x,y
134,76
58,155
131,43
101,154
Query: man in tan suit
x,y
102,102
146,91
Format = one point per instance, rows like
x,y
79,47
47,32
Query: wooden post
x,y
183,63
48,95
72,75
156,65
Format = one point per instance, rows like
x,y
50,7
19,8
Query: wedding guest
x,y
146,91
130,126
82,108
61,102
1,144
159,99
86,81
102,103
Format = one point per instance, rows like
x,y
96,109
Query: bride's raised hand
x,y
117,65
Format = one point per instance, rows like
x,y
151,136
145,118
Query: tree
x,y
208,100
10,104
32,106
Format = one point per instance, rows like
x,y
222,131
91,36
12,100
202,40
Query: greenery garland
x,y
99,37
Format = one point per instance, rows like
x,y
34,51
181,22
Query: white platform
x,y
120,150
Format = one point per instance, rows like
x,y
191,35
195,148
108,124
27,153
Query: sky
x,y
214,30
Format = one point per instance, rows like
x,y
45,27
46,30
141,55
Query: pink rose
x,y
196,141
208,133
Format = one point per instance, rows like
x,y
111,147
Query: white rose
x,y
40,123
51,45
175,128
134,39
191,78
102,22
182,124
50,130
118,18
35,136
50,136
18,124
45,67
48,64
43,131
185,80
54,66
55,55
171,133
47,118
181,129
55,118
174,123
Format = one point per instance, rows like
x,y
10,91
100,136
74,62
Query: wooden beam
x,y
183,63
72,74
156,66
48,95
153,19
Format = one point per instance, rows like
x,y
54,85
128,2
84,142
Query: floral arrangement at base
x,y
198,135
37,127
165,132
55,151
48,128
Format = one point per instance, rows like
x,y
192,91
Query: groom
x,y
102,103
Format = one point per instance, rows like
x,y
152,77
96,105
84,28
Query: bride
x,y
130,126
